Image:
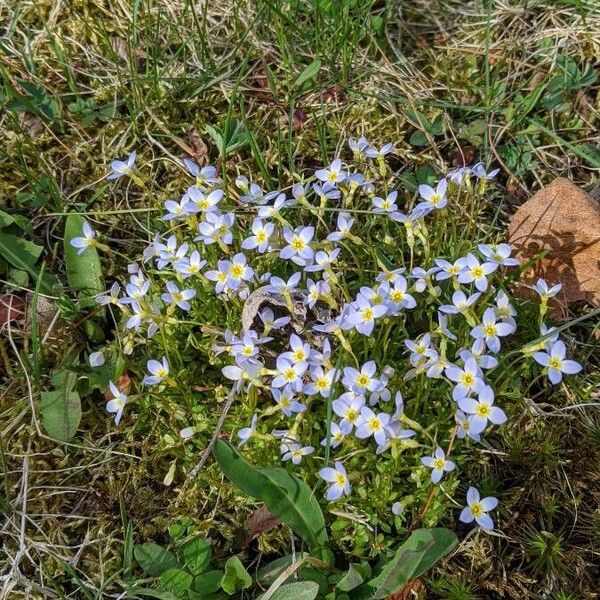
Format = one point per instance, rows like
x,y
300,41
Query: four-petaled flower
x,y
86,241
439,463
477,509
338,481
555,362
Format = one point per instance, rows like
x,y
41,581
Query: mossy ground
x,y
85,82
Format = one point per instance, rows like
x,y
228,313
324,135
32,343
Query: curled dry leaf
x,y
259,522
564,221
199,147
12,308
299,117
123,383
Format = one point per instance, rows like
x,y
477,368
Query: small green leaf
x,y
208,582
177,581
236,578
299,590
84,271
418,138
61,407
284,495
197,555
5,219
155,559
309,73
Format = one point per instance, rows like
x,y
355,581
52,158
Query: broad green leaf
x,y
197,555
236,578
84,271
155,559
421,551
207,583
20,253
299,590
177,581
309,73
61,407
284,495
418,138
351,580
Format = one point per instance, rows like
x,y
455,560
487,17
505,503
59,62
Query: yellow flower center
x,y
483,410
298,244
468,379
261,236
236,271
555,363
340,479
363,380
374,424
162,373
476,509
439,463
477,272
490,330
289,374
299,355
352,415
367,314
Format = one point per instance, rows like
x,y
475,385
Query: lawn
x,y
171,440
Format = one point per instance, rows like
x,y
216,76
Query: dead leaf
x,y
413,590
564,221
123,383
12,308
299,117
464,156
259,522
335,92
199,147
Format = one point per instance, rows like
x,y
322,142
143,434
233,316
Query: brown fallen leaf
x,y
413,590
123,383
12,308
464,156
198,145
564,221
299,117
259,522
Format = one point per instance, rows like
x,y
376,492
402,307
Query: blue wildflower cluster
x,y
308,350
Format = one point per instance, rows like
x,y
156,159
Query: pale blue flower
x,y
432,198
297,452
120,168
499,254
96,359
338,481
476,272
348,407
439,464
555,362
477,509
118,402
260,238
541,287
491,330
371,424
298,249
158,369
482,410
247,432
333,174
178,297
468,379
86,241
